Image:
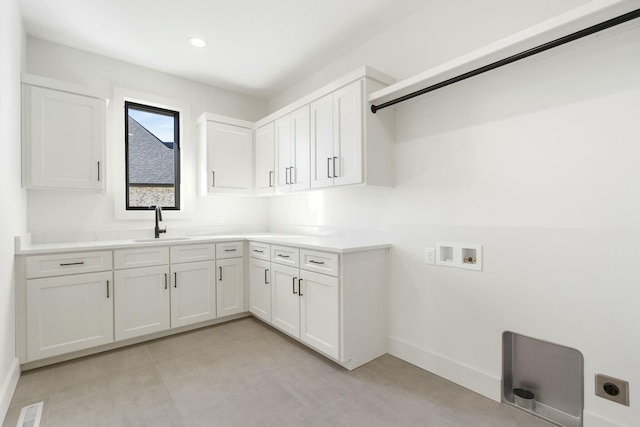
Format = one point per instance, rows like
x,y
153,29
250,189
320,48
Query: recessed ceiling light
x,y
197,42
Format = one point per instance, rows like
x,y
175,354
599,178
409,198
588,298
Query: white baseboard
x,y
593,420
9,387
466,376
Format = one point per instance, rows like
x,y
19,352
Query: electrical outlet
x,y
612,389
430,256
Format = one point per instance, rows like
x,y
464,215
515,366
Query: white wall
x,y
538,162
50,210
441,31
12,214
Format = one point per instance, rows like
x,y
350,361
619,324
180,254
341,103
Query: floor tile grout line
x,y
168,390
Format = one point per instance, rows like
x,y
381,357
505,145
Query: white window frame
x,y
120,95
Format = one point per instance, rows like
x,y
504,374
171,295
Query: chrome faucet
x,y
159,230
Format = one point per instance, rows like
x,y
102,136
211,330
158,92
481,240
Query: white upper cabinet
x,y
322,142
347,144
347,135
265,159
336,138
292,143
63,136
227,147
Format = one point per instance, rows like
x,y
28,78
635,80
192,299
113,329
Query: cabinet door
x,y
193,293
68,313
319,315
260,289
229,158
65,138
265,159
322,161
283,153
299,174
141,301
347,134
230,286
285,304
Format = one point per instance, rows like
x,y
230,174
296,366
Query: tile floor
x,y
244,373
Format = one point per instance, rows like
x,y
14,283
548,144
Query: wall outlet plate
x,y
613,389
430,256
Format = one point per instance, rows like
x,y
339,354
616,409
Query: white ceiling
x,y
257,47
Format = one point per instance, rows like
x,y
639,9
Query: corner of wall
x,y
8,387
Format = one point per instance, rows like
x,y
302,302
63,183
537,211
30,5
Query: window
x,y
152,156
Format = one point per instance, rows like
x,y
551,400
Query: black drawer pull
x,y
283,256
62,264
258,251
229,250
316,262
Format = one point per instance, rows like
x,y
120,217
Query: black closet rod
x,y
518,56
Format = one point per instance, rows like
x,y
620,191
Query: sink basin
x,y
162,239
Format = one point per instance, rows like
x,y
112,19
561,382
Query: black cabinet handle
x,y
107,289
300,287
294,285
229,250
165,280
213,178
282,256
292,179
316,262
328,167
258,251
334,167
220,269
98,171
71,263
175,280
270,178
266,276
286,176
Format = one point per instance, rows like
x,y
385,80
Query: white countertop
x,y
328,244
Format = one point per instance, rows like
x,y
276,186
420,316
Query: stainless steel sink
x,y
164,239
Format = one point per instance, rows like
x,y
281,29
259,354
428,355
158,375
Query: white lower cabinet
x,y
306,305
285,303
334,303
319,312
68,313
193,292
141,301
260,289
230,286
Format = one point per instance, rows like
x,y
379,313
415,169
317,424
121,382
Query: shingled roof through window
x,y
151,161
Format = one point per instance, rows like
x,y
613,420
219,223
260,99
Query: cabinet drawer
x,y
140,257
71,263
260,250
285,255
192,253
320,262
229,250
